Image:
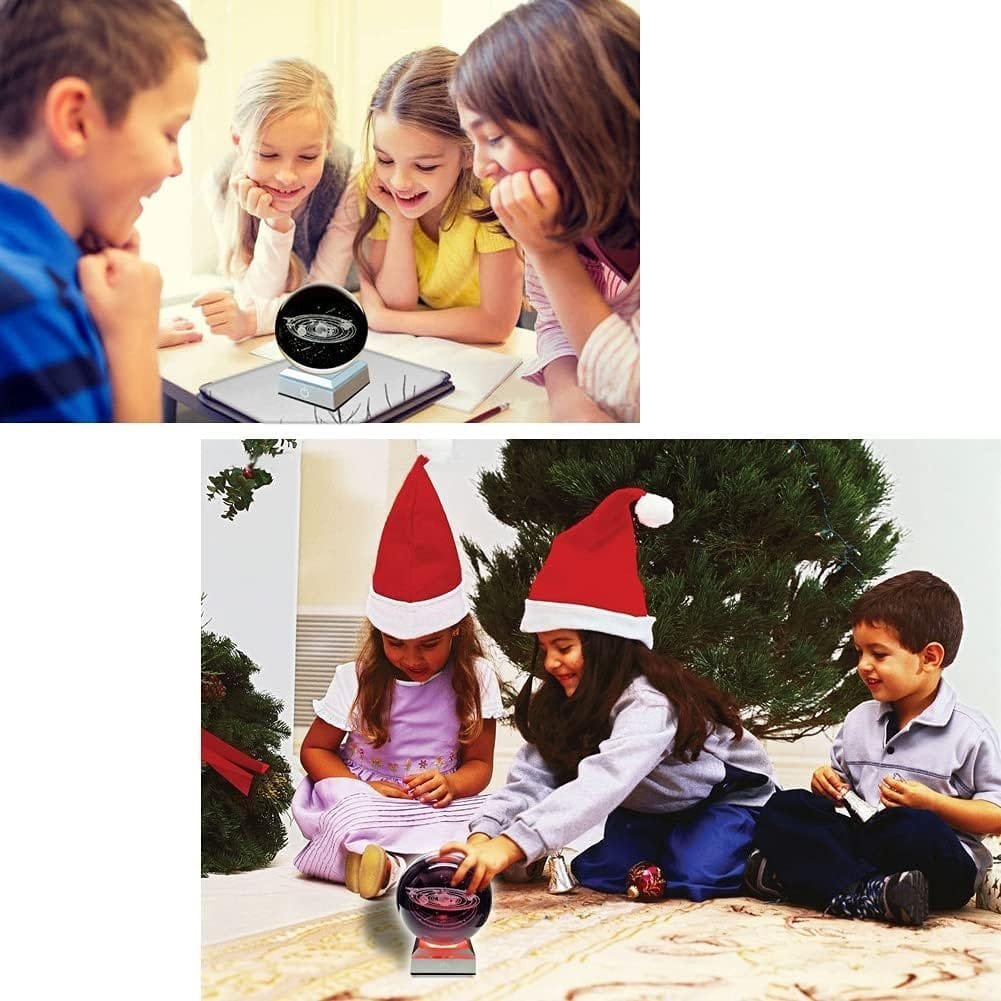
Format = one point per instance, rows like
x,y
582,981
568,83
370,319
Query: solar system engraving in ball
x,y
320,327
434,910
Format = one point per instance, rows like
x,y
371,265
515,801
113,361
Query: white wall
x,y
948,497
250,568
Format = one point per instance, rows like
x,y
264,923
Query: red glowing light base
x,y
429,959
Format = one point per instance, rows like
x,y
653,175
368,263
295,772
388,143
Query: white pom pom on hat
x,y
654,511
590,578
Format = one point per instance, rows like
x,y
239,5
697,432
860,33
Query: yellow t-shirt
x,y
448,272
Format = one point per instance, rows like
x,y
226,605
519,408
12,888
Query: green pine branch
x,y
237,484
751,584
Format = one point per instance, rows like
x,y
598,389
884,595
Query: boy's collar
x,y
938,713
36,230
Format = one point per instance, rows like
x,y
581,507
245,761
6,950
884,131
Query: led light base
x,y
330,391
429,959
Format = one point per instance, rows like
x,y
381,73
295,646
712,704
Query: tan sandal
x,y
351,865
374,871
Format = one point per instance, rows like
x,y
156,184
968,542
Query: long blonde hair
x,y
414,90
269,92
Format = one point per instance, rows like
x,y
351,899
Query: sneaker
x,y
759,880
905,898
899,899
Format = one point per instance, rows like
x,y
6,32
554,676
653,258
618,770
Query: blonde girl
x,y
550,97
432,258
282,201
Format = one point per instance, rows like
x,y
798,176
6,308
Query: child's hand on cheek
x,y
430,787
903,792
527,204
383,199
256,201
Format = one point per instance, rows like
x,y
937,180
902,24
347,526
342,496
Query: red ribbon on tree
x,y
234,766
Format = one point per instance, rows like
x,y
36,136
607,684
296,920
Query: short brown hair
x,y
920,607
570,69
119,47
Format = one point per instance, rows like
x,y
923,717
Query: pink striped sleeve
x,y
551,343
609,367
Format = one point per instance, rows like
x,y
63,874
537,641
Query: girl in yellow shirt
x,y
432,258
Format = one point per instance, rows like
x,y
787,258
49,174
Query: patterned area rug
x,y
591,947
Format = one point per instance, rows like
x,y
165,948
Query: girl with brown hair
x,y
403,741
550,97
427,237
618,734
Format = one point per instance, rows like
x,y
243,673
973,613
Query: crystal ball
x,y
433,909
320,327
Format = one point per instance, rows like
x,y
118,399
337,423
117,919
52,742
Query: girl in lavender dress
x,y
403,741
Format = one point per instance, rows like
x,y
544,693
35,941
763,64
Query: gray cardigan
x,y
633,768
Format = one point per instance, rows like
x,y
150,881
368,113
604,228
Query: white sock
x,y
397,863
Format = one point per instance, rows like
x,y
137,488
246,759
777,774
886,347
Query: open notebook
x,y
396,389
476,372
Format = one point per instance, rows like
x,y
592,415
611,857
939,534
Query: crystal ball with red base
x,y
434,910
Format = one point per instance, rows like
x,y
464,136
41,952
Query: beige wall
x,y
347,488
353,41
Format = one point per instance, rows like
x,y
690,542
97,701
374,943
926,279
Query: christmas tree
x,y
752,582
242,828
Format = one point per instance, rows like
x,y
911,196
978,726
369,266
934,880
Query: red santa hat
x,y
589,579
417,583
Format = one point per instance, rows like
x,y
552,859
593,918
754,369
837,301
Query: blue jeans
x,y
816,853
701,851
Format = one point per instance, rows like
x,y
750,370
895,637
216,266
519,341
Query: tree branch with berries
x,y
237,485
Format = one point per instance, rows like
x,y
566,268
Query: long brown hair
x,y
414,90
567,730
373,703
569,69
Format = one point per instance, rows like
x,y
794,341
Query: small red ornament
x,y
645,881
248,473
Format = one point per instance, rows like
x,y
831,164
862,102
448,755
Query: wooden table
x,y
185,368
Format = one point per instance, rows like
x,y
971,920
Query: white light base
x,y
329,391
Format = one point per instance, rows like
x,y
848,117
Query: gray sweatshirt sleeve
x,y
641,734
528,783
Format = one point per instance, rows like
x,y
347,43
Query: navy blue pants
x,y
701,851
816,852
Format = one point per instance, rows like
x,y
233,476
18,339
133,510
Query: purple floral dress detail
x,y
340,815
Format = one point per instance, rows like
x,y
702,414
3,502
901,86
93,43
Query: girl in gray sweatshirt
x,y
618,733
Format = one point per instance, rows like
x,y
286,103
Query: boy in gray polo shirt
x,y
927,767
